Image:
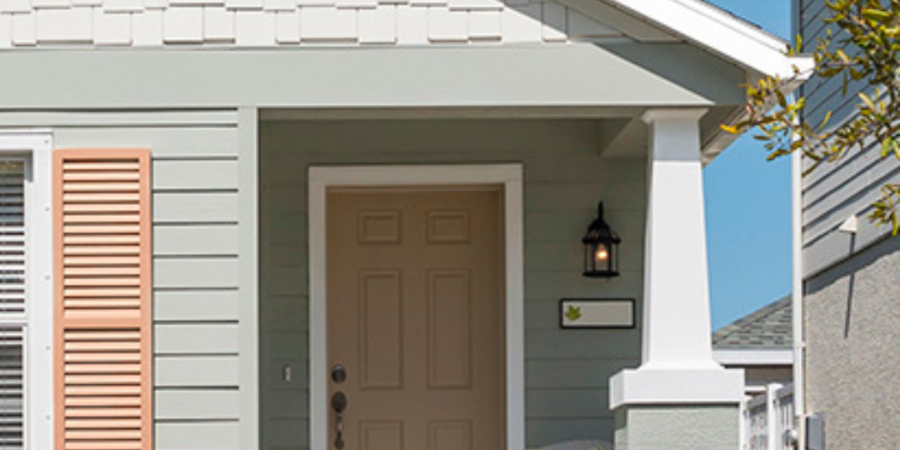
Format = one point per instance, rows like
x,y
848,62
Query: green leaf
x,y
886,145
573,314
825,121
878,15
868,101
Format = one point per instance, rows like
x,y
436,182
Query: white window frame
x,y
36,147
510,176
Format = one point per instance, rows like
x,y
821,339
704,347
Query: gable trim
x,y
721,33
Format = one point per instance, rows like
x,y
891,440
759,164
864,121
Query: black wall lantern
x,y
601,249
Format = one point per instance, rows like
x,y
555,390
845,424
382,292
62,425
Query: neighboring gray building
x,y
348,224
851,312
761,344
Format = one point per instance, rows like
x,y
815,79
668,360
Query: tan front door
x,y
416,317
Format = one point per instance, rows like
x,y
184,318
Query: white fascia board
x,y
754,357
721,33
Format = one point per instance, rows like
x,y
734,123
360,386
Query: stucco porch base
x,y
675,409
677,427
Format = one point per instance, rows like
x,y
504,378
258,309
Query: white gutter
x,y
797,296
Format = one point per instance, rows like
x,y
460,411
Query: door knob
x,y
339,402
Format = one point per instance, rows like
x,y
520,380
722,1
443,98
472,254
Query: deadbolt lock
x,y
338,374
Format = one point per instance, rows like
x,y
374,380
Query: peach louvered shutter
x,y
103,300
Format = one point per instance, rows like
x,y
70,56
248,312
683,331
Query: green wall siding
x,y
195,260
567,372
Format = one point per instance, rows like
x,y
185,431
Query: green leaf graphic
x,y
573,313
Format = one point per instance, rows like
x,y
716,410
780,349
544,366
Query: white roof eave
x,y
721,33
735,40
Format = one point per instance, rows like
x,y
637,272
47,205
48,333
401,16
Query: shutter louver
x,y
103,300
12,302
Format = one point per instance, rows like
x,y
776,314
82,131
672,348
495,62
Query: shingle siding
x,y
258,23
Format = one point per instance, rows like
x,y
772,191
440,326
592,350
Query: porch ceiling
x,y
620,132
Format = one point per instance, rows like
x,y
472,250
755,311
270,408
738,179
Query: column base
x,y
677,409
678,427
646,386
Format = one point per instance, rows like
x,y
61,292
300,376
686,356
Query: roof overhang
x,y
721,33
729,37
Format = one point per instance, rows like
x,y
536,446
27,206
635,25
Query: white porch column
x,y
676,288
677,369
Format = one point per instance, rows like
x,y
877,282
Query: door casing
x,y
507,175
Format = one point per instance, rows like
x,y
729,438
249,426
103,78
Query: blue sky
x,y
748,206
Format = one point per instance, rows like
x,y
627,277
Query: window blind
x,y
12,302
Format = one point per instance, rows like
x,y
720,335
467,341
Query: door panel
x,y
449,329
416,317
380,332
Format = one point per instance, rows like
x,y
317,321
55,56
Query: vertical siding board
x,y
248,195
87,324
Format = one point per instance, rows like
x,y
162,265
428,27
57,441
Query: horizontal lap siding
x,y
837,191
195,249
567,372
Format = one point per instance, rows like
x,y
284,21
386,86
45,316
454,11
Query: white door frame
x,y
510,176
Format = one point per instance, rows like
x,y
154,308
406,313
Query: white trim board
x,y
754,357
510,176
37,148
719,32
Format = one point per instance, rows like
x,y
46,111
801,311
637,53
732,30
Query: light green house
x,y
236,210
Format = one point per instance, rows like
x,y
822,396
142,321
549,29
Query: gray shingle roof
x,y
769,327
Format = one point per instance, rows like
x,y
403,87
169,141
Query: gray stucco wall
x,y
852,316
670,427
567,371
852,326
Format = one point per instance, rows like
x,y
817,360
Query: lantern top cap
x,y
600,231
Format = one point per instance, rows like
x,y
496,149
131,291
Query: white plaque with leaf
x,y
596,313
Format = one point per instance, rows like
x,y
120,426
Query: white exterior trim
x,y
37,146
721,33
676,386
754,357
248,290
510,175
797,307
677,365
676,331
